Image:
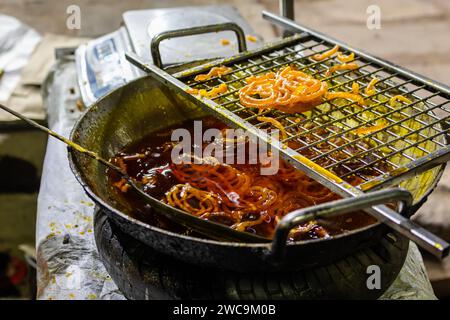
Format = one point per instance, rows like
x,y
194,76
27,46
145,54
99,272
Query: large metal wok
x,y
145,105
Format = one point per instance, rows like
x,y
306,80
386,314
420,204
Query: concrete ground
x,y
414,34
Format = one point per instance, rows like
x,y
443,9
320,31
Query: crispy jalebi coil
x,y
277,124
355,87
195,201
340,67
256,200
214,72
222,179
343,58
345,95
261,197
243,225
214,92
394,99
288,90
370,89
326,54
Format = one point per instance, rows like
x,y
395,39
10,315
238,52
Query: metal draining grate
x,y
412,136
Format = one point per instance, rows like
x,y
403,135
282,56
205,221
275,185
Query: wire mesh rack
x,y
408,117
408,133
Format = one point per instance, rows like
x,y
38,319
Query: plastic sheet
x,y
17,42
67,260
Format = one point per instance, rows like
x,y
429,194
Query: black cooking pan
x,y
143,106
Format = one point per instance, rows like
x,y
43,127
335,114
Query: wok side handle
x,y
330,209
228,26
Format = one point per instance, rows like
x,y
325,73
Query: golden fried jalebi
x,y
214,92
326,54
355,88
288,90
394,99
214,72
344,66
370,89
192,200
221,179
344,59
243,225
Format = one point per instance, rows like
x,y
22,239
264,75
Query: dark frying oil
x,y
151,157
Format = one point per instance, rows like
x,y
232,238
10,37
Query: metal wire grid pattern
x,y
326,135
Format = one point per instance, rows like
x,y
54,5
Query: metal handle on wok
x,y
228,26
335,208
